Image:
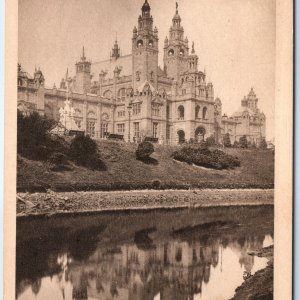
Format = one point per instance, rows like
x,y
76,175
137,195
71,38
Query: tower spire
x,y
83,55
176,7
193,48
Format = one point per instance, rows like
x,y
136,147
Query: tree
x,y
83,150
211,141
144,150
226,140
243,142
33,138
263,144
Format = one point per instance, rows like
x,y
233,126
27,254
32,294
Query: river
x,y
196,253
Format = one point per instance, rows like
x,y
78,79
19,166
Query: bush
x,y
58,158
83,150
33,135
243,142
210,141
144,150
236,144
263,144
226,140
202,156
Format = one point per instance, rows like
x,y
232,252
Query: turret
x,y
115,54
83,74
193,60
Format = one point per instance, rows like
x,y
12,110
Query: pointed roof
x,y
176,16
146,6
144,84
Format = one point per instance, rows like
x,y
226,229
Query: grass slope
x,y
124,171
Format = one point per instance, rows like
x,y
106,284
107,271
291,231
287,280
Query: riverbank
x,y
74,202
122,171
260,285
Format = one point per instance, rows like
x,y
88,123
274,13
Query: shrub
x,y
156,184
144,150
263,144
226,140
236,144
243,142
210,141
202,156
83,150
58,158
33,135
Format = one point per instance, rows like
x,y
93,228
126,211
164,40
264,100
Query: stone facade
x,y
135,97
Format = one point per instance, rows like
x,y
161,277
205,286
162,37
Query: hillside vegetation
x,y
123,171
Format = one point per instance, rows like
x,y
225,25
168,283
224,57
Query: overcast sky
x,y
234,39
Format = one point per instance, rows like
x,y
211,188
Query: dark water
x,y
182,254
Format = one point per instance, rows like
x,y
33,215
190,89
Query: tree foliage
x,y
263,144
144,150
33,135
226,140
243,142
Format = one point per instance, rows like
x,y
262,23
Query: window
x,y
197,110
140,43
183,92
204,112
136,108
78,122
122,94
181,52
171,52
168,133
178,255
121,128
121,113
180,112
155,109
136,128
168,111
155,130
103,130
91,128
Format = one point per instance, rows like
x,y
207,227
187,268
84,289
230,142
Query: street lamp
x,y
129,109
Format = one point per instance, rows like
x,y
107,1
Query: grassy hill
x,y
124,171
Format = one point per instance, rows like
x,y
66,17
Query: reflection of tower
x,y
221,258
80,287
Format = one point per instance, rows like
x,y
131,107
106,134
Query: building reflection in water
x,y
173,269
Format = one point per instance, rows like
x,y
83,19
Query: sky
x,y
234,40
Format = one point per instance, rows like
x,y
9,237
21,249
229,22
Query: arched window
x,y
180,112
181,136
91,124
140,43
204,112
168,111
107,94
171,52
122,94
197,110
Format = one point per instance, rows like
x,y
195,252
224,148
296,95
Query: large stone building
x,y
133,96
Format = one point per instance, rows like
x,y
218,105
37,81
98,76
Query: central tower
x,y
145,49
176,49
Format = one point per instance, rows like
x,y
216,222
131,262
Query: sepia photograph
x,y
146,145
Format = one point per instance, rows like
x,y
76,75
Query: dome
x,y
146,6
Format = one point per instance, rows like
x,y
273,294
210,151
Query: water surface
x,y
164,254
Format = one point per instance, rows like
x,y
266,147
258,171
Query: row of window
x,y
198,115
91,126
